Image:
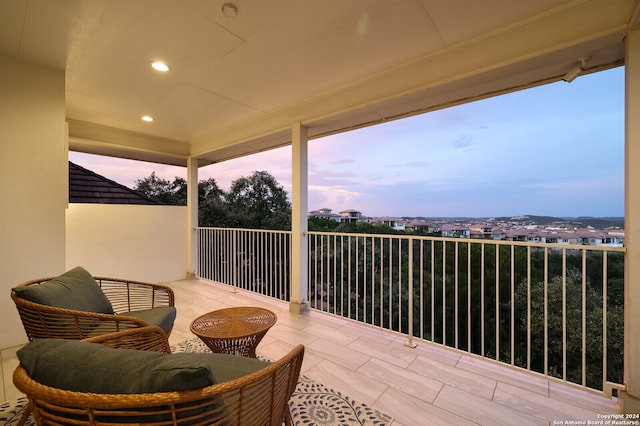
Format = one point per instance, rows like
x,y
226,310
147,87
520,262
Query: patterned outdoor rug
x,y
311,404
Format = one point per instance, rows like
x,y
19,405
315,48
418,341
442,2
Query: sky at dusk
x,y
555,150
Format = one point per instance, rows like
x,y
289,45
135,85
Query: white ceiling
x,y
237,85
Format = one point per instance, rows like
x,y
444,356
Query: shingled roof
x,y
86,186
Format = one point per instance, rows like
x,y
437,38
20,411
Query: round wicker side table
x,y
235,331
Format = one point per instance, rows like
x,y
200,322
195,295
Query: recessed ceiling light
x,y
160,66
147,118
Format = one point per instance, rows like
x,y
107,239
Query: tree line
x,y
254,202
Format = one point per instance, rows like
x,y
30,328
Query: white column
x,y
192,217
630,400
299,228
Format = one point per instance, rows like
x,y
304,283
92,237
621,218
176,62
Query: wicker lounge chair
x,y
258,398
129,304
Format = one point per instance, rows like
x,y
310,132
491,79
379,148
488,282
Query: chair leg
x,y
25,415
288,421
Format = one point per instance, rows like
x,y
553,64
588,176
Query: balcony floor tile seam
x,y
457,378
350,358
407,406
489,367
394,355
582,399
349,382
481,410
376,369
540,406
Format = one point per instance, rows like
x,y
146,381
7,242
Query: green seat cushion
x,y
162,316
226,367
90,367
75,289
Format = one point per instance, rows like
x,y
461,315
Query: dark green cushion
x,y
75,289
226,367
90,367
162,316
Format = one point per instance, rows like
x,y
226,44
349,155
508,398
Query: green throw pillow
x,y
75,289
90,367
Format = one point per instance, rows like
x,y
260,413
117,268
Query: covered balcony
x,y
252,76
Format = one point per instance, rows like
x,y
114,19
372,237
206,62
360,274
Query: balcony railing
x,y
554,310
251,259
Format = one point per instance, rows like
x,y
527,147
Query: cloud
x,y
336,197
412,164
343,161
463,142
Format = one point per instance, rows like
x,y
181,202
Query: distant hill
x,y
578,222
524,220
600,222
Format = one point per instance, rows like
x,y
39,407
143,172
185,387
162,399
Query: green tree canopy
x,y
212,208
173,193
320,224
259,202
255,202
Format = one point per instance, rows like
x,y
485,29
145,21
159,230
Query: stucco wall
x,y
33,181
144,243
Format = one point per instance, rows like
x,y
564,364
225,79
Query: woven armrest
x,y
143,338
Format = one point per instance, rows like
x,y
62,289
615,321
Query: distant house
x,y
523,234
481,232
353,216
324,213
559,237
498,234
616,237
421,225
454,230
395,223
88,187
594,237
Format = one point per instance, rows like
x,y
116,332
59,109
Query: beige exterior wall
x,y
144,243
33,181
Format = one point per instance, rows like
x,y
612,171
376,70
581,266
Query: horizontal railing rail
x,y
554,310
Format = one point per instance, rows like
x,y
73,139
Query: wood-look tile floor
x,y
425,385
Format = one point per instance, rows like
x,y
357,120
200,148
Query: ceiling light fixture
x,y
147,118
160,66
575,71
229,10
